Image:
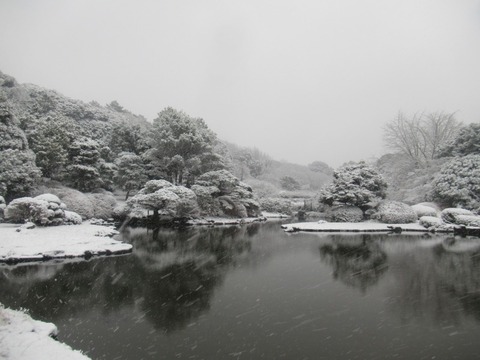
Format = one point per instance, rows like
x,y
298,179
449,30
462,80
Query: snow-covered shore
x,y
21,337
352,227
19,244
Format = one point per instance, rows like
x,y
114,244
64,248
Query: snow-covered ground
x,y
19,244
224,221
23,338
274,215
351,227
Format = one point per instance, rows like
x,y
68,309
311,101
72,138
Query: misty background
x,y
302,81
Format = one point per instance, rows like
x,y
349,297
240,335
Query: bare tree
x,y
422,136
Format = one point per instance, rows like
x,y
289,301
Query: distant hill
x,y
27,102
256,167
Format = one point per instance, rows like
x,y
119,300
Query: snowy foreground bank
x,y
353,227
21,337
19,244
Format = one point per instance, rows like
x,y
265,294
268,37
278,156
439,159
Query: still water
x,y
255,292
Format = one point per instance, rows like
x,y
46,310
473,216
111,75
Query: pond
x,y
255,292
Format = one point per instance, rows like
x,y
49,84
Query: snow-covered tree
x,y
18,172
458,183
320,166
84,157
50,139
467,142
354,184
289,183
422,136
130,174
175,133
127,137
164,198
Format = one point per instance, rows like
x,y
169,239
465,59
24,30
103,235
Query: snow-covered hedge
x,y
103,204
77,201
430,221
72,218
45,210
277,205
88,205
344,214
450,215
468,220
424,210
395,212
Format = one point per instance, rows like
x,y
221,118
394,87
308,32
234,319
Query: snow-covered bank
x,y
352,227
19,244
21,337
275,215
214,221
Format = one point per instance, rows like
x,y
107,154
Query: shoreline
x,y
360,227
21,244
22,337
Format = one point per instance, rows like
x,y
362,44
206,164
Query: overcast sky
x,y
301,80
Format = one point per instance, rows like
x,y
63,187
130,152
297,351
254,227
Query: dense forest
x,y
84,151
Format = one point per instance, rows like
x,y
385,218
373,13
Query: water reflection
x,y
257,292
357,261
171,277
438,283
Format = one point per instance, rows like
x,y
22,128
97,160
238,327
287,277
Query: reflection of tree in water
x,y
172,275
69,289
183,268
436,283
179,293
356,261
460,274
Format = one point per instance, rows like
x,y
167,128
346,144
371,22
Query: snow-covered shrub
x,y
344,214
45,210
49,198
430,221
465,143
263,189
76,201
423,210
395,212
206,197
277,205
34,210
120,212
354,184
230,207
103,204
72,218
2,207
458,183
252,206
450,215
468,220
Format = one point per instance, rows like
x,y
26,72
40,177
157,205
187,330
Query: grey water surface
x,y
255,292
